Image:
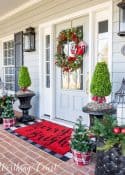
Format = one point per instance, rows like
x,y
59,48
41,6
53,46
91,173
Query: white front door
x,y
72,88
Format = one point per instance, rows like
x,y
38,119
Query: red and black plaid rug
x,y
50,135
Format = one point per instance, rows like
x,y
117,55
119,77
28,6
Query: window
x,y
103,26
9,65
47,61
102,40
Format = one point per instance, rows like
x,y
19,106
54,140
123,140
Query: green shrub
x,y
100,84
24,80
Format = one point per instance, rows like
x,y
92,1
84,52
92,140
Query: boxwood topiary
x,y
24,79
100,84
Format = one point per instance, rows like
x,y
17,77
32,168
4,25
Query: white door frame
x,y
89,11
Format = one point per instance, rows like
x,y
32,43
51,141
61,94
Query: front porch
x,y
60,96
18,157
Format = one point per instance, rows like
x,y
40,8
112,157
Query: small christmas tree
x,y
24,80
8,108
101,85
80,140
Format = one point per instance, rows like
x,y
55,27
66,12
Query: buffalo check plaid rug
x,y
14,130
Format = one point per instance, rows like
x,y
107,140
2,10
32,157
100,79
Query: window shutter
x,y
18,41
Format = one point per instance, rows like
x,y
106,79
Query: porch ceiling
x,y
10,7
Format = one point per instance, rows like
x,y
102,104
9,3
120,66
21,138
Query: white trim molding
x,y
50,92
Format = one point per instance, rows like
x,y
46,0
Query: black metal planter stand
x,y
25,99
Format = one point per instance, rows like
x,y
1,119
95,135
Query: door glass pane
x,y
103,26
47,54
72,80
47,61
48,67
102,41
47,41
48,81
65,80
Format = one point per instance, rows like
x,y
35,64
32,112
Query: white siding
x,y
118,59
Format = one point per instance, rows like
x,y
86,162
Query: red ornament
x,y
79,51
117,130
95,98
123,130
99,99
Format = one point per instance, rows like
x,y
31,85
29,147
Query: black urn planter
x,y
110,162
25,100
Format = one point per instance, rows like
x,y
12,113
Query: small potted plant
x,y
24,80
8,113
81,144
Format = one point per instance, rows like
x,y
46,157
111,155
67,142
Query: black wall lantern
x,y
121,6
29,40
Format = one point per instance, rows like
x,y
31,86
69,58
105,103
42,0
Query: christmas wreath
x,y
70,49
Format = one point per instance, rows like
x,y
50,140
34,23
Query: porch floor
x,y
18,157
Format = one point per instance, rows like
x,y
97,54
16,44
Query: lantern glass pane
x,y
26,42
32,41
120,114
122,20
